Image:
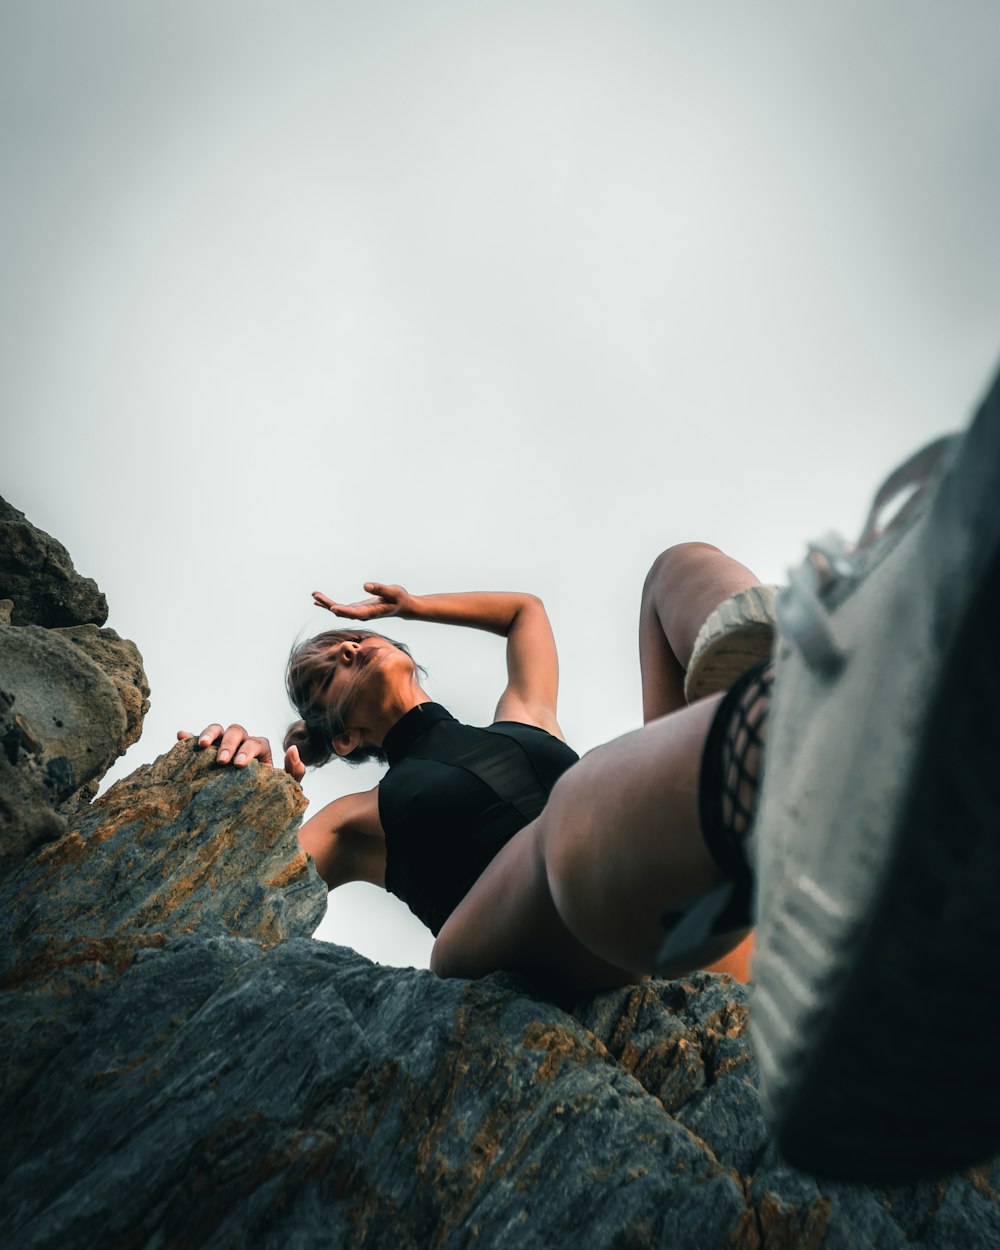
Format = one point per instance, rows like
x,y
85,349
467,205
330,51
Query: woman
x,y
454,796
876,846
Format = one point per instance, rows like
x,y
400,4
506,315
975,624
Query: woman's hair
x,y
306,678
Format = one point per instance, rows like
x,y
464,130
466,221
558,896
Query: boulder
x,y
72,696
30,790
177,847
119,659
37,575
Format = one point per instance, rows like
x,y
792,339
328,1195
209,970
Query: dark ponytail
x,y
313,748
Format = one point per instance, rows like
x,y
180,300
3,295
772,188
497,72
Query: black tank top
x,y
453,796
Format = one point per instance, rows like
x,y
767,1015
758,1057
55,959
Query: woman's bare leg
x,y
685,584
622,840
509,921
581,891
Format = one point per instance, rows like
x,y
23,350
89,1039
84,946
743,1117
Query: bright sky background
x,y
473,296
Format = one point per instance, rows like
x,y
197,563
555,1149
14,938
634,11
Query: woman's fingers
x,y
338,609
293,764
233,738
205,739
240,747
235,742
255,748
363,610
386,600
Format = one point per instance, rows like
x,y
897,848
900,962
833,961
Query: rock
x,y
178,846
73,708
67,719
37,574
308,1097
74,696
119,659
183,1066
30,792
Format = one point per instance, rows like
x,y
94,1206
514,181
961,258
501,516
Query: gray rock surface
x,y
73,708
30,792
37,574
184,1067
179,846
119,659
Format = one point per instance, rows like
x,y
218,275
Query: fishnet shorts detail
x,y
732,770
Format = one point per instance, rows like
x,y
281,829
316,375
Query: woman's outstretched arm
x,y
532,662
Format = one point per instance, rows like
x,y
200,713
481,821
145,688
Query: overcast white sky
x,y
473,296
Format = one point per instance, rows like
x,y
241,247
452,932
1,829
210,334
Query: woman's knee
x,y
685,585
676,562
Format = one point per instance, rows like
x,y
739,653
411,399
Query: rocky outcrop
x,y
185,1067
37,575
180,846
72,695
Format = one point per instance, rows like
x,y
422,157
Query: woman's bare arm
x,y
532,663
346,841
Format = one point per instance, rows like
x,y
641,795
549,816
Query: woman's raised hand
x,y
385,601
238,747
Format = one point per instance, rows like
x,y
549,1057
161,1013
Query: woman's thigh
x,y
621,837
582,890
509,921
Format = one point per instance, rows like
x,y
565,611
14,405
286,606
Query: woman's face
x,y
363,669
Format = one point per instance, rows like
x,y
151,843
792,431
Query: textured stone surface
x,y
183,1067
72,698
70,704
30,792
68,712
178,846
308,1091
37,574
119,659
